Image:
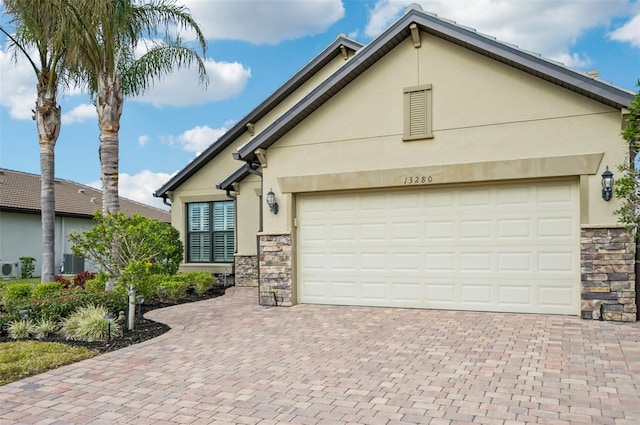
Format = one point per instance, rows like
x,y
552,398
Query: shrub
x,y
20,329
17,293
175,288
201,282
4,322
27,267
89,324
57,307
81,278
96,283
45,328
65,282
47,289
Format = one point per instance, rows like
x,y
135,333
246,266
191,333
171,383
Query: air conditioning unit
x,y
72,264
9,270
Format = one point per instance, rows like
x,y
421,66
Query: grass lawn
x,y
25,358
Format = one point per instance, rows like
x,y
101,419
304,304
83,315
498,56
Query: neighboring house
x,y
21,228
435,167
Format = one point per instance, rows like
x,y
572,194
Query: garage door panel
x,y
500,248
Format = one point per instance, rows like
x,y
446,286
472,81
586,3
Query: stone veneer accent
x,y
246,268
275,269
608,274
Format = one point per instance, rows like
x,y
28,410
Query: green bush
x,y
17,292
58,307
45,290
89,324
94,285
27,267
45,328
175,288
20,329
97,283
200,282
3,289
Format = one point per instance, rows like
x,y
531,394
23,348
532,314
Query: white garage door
x,y
511,248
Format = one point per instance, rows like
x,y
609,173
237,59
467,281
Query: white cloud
x,y
18,86
573,60
80,113
180,88
140,187
549,27
199,138
142,140
264,22
629,32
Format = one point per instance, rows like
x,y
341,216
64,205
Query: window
x,y
210,237
418,113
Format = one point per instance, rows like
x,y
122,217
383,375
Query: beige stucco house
x,y
432,168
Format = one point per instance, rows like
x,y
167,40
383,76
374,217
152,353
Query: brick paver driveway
x,y
230,361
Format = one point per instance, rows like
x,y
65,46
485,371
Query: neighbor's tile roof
x,y
21,192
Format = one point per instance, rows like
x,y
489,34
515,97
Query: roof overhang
x,y
450,31
335,49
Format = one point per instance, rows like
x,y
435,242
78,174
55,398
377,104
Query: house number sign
x,y
417,179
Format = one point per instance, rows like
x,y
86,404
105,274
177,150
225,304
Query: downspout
x,y
164,200
261,228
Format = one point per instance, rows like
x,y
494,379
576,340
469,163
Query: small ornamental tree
x,y
135,240
628,184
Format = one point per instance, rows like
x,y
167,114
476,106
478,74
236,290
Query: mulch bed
x,y
144,329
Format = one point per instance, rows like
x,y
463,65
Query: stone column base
x,y
246,269
275,270
608,274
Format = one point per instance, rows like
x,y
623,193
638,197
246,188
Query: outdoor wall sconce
x,y
607,184
271,201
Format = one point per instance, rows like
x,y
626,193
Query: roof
x,y
20,192
301,77
528,62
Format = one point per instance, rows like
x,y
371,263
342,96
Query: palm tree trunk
x,y
47,117
109,104
47,209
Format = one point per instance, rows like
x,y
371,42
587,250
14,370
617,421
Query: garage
x,y
500,247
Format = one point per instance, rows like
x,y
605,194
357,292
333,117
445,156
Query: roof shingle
x,y
20,192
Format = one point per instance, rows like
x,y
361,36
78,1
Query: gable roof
x,y
448,30
20,192
307,72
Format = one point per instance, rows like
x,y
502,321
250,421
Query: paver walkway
x,y
230,361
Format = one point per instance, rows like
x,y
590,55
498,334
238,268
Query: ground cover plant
x,y
19,359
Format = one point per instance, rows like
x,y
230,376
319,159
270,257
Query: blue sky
x,y
255,46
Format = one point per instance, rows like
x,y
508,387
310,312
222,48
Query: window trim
x,y
428,110
211,232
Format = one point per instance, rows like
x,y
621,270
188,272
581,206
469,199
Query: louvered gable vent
x,y
418,114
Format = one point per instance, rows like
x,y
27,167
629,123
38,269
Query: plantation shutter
x,y
223,226
199,236
418,114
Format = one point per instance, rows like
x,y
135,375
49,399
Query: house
x,y
435,167
20,224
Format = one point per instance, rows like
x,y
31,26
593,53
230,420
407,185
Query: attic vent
x,y
80,190
418,114
93,200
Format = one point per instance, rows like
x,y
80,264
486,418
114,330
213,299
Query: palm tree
x,y
41,37
110,33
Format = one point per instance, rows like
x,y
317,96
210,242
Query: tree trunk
x,y
47,117
109,104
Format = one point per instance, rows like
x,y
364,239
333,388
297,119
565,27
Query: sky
x,y
255,46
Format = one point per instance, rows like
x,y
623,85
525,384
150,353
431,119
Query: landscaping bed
x,y
144,329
